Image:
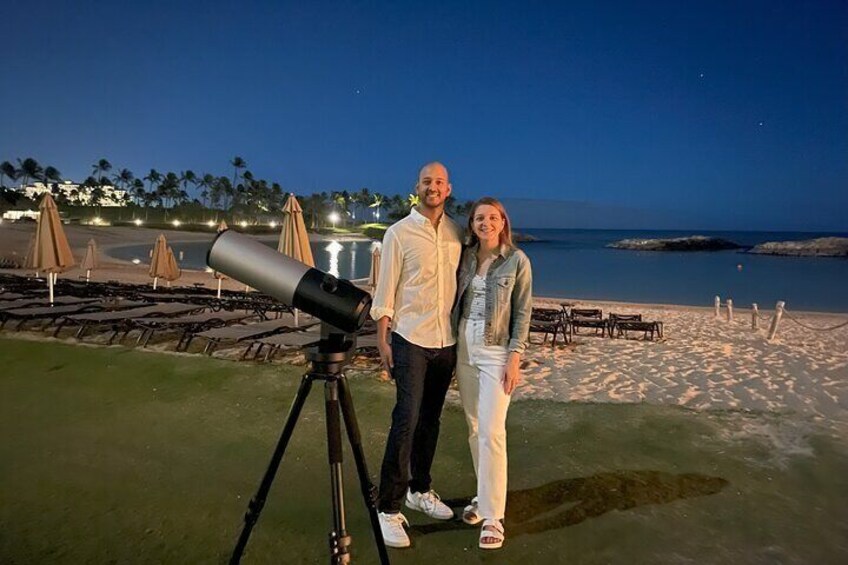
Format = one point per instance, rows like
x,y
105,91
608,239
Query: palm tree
x,y
101,167
138,191
153,177
188,177
377,203
29,169
205,184
168,190
7,169
237,163
124,178
364,197
51,174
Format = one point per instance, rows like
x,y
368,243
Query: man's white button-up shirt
x,y
416,286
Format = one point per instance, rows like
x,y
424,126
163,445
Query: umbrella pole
x,y
155,280
219,289
87,275
295,317
168,284
50,287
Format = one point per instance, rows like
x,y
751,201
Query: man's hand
x,y
383,345
385,355
512,372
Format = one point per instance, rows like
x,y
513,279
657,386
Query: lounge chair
x,y
121,321
276,342
588,318
549,321
188,325
297,339
52,313
243,332
615,318
648,328
43,301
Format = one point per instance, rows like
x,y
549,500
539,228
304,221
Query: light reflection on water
x,y
333,249
344,259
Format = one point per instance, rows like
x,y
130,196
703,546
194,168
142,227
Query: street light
x,y
137,222
334,218
176,223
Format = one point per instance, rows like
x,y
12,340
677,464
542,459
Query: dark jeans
x,y
422,376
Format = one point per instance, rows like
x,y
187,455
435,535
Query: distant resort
x,y
187,198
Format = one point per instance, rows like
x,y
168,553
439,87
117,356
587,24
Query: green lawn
x,y
111,455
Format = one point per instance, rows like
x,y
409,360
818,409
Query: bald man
x,y
415,292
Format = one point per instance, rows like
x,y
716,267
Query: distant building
x,y
77,194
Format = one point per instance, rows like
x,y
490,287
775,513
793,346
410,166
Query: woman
x,y
492,318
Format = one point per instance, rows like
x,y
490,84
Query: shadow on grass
x,y
540,509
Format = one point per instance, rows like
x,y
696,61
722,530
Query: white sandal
x,y
493,531
471,513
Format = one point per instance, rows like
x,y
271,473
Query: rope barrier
x,y
815,329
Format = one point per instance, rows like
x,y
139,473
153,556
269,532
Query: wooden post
x,y
775,320
755,317
717,307
729,309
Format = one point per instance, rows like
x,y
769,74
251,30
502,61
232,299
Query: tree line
x,y
239,194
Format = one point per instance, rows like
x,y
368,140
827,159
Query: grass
x,y
112,455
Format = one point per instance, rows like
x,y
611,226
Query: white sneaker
x,y
429,503
392,527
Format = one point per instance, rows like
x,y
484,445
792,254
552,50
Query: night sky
x,y
730,114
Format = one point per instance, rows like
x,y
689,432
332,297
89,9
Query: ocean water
x,y
577,264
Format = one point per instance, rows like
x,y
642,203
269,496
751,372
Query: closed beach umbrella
x,y
172,270
159,259
294,240
375,268
89,262
51,252
29,259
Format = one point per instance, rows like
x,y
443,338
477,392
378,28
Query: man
x,y
415,293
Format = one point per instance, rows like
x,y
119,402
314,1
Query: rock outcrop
x,y
692,243
820,247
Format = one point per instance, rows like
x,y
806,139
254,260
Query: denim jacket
x,y
509,300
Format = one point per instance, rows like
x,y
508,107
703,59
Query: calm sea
x,y
577,264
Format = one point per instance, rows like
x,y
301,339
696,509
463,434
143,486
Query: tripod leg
x,y
369,491
258,500
339,539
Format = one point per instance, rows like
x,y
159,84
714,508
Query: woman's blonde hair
x,y
505,236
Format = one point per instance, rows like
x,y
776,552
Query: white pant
x,y
480,373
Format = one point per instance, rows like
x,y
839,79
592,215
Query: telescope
x,y
337,302
342,309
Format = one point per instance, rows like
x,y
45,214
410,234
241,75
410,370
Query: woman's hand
x,y
512,372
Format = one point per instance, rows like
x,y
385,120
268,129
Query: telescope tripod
x,y
327,361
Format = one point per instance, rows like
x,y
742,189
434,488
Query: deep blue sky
x,y
731,114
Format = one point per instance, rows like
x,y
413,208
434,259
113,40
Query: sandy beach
x,y
703,363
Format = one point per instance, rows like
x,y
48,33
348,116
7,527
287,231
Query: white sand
x,y
702,363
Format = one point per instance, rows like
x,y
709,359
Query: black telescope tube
x,y
336,302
